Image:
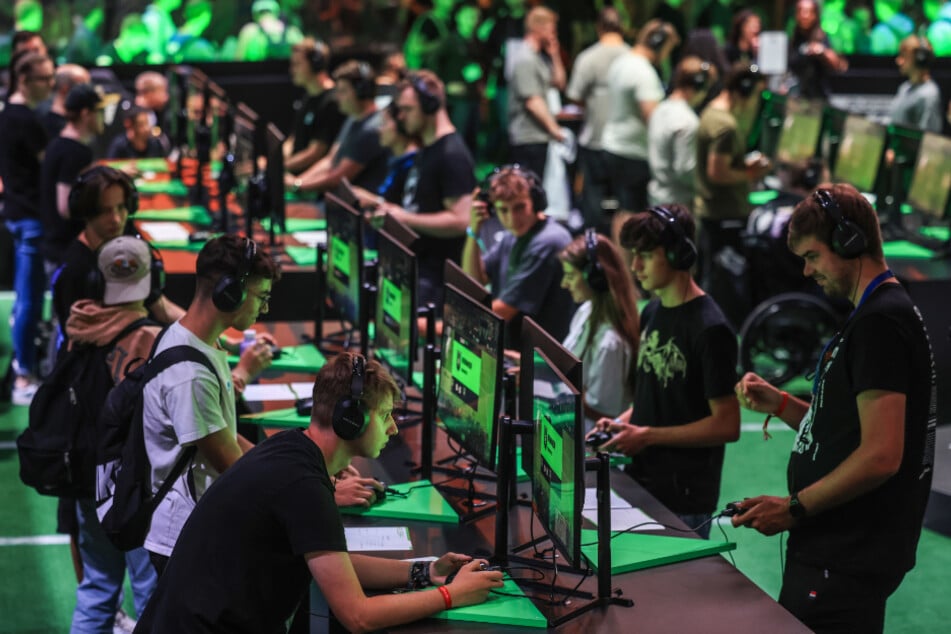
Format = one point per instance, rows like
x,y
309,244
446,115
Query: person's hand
x,y
627,439
445,566
758,166
607,424
472,584
356,491
767,514
347,472
754,393
255,359
478,212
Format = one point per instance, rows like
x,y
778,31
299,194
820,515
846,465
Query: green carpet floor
x,y
37,586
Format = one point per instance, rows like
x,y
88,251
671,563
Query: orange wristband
x,y
446,597
782,404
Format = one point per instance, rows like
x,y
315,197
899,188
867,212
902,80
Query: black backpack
x,y
58,448
124,500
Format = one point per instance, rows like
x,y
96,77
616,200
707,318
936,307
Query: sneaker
x,y
24,388
124,623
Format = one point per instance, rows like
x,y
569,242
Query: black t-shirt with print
x,y
687,356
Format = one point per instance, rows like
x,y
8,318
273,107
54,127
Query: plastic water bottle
x,y
250,338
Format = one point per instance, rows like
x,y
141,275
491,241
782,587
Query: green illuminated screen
x,y
860,152
800,135
345,239
931,182
394,341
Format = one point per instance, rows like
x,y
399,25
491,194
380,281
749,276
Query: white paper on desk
x,y
165,231
374,538
591,500
278,391
310,238
623,519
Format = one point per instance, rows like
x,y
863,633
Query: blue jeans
x,y
104,567
695,520
29,282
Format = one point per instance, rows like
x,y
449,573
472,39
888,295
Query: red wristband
x,y
782,404
446,597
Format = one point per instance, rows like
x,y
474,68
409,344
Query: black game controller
x,y
732,508
598,438
275,351
482,567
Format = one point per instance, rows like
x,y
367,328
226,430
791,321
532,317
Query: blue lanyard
x,y
877,281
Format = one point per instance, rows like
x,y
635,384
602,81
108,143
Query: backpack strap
x,y
157,364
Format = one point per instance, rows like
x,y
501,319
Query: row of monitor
x,y
469,390
856,151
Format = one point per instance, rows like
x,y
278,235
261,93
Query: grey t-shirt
x,y
531,77
631,80
360,142
589,83
672,152
917,106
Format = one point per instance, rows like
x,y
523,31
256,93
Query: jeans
x,y
700,522
104,567
29,282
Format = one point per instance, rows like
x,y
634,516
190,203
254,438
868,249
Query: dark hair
x,y
736,27
25,64
643,231
510,183
690,69
358,73
224,255
618,304
429,80
333,383
88,188
609,21
743,79
809,219
23,36
132,113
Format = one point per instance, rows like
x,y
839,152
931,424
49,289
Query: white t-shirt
x,y
606,363
183,404
631,80
589,83
672,152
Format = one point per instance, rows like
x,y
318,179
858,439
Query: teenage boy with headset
x,y
246,556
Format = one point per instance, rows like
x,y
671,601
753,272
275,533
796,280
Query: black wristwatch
x,y
796,509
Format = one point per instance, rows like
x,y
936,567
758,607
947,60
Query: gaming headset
x,y
316,57
350,418
82,197
536,190
363,81
429,103
593,271
656,39
96,282
923,55
747,80
848,240
701,78
680,249
232,289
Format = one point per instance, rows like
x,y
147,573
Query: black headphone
x,y
316,57
536,190
231,290
363,81
96,282
82,198
923,55
701,78
350,418
656,39
680,249
748,79
429,103
848,240
593,271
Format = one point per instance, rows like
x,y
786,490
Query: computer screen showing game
x,y
799,138
344,259
904,143
470,377
861,146
395,333
931,182
454,275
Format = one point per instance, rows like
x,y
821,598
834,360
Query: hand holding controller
x,y
732,509
598,438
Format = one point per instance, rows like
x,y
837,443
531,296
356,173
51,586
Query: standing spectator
x,y
589,85
811,58
635,90
918,101
672,134
537,69
743,44
64,78
21,151
151,93
317,117
136,140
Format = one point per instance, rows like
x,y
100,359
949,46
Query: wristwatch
x,y
796,509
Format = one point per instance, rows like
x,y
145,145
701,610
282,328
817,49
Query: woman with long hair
x,y
605,328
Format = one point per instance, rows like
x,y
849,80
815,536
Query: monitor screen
x,y
244,149
344,259
274,174
799,138
454,275
931,183
860,152
558,447
394,340
470,376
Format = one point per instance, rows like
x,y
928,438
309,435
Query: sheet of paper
x,y
591,500
622,519
310,238
376,538
277,391
165,231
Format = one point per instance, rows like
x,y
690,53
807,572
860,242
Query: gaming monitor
x,y
469,395
861,146
931,182
455,276
344,259
394,339
274,175
799,137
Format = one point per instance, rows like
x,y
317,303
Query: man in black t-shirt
x,y
317,117
65,77
684,408
860,471
269,526
437,195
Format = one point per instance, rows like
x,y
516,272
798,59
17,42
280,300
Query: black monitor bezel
x,y
404,245
455,276
335,205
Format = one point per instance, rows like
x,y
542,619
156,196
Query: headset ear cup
x,y
349,419
95,284
229,293
685,254
848,240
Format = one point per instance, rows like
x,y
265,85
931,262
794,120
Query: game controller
x,y
483,567
598,438
731,509
275,351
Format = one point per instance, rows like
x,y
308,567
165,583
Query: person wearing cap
x,y
66,156
125,264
